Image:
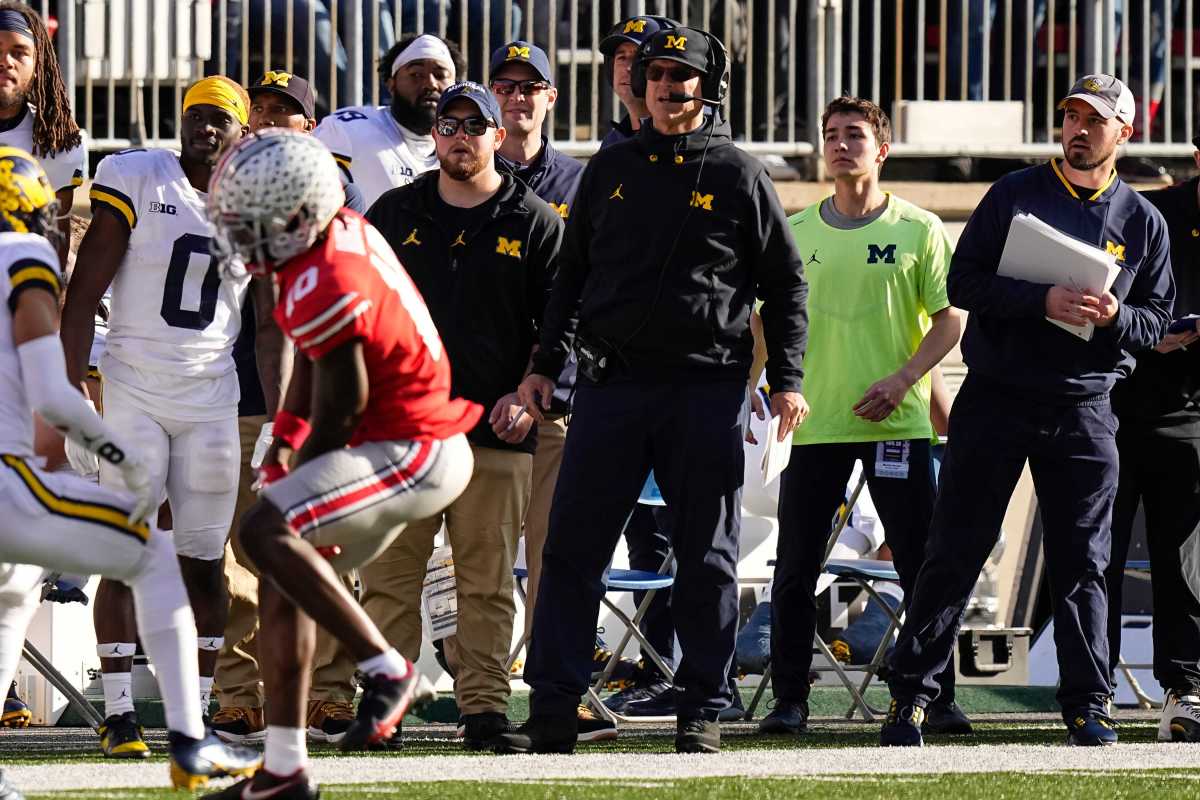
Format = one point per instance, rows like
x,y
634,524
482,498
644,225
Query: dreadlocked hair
x,y
54,129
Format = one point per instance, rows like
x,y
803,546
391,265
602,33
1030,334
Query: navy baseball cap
x,y
687,46
634,30
289,85
519,52
484,100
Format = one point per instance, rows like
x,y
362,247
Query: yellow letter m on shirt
x,y
505,247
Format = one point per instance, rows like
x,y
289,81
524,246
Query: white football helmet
x,y
271,197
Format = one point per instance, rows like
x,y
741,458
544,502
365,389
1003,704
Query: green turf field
x,y
1155,784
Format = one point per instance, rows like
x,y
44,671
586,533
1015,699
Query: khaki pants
x,y
552,434
237,682
483,526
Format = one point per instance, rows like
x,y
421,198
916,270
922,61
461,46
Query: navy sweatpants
x,y
1072,454
691,435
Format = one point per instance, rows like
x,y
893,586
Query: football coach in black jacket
x,y
1039,393
673,234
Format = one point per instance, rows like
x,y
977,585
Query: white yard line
x,y
860,761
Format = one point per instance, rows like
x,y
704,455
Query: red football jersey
x,y
351,286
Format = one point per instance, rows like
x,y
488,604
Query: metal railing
x,y
130,60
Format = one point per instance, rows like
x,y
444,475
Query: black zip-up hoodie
x,y
667,270
486,289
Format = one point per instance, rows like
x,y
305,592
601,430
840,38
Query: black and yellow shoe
x,y
121,737
16,713
194,761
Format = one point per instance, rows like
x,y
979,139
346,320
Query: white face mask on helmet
x,y
270,199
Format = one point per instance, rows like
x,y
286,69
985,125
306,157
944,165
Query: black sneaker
x,y
7,790
239,724
652,690
697,736
786,717
384,703
1090,729
478,730
542,734
946,718
194,761
593,727
297,786
903,725
121,737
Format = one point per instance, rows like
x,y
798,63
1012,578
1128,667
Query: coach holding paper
x,y
673,234
1037,392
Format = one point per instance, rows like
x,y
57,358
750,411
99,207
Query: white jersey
x,y
173,316
26,261
376,152
66,170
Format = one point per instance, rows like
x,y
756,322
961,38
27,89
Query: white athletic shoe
x,y
1180,718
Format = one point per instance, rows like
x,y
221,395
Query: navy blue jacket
x,y
619,132
553,176
1008,340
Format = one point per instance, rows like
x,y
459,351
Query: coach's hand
x,y
137,479
791,408
509,420
535,393
1077,308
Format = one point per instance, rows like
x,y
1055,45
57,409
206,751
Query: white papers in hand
x,y
776,454
1040,253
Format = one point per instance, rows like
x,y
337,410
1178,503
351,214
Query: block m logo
x,y
703,201
675,42
886,254
518,52
635,26
1117,250
507,248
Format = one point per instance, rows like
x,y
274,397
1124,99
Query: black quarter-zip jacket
x,y
1007,339
640,217
486,285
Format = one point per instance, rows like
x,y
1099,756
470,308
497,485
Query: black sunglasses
x,y
655,72
504,86
474,126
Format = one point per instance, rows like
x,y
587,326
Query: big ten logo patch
x,y
162,208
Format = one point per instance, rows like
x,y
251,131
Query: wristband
x,y
269,473
291,429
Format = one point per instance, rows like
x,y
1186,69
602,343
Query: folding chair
x,y
1141,571
621,580
59,682
862,572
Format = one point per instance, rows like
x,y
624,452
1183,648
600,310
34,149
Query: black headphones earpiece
x,y
714,86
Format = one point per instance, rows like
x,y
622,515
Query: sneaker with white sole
x,y
1180,720
595,728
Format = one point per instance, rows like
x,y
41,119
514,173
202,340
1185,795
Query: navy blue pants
x,y
1072,454
690,434
1162,473
810,491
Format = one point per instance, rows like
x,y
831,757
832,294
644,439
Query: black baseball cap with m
x,y
288,85
1108,95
